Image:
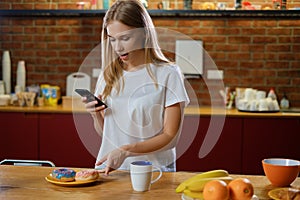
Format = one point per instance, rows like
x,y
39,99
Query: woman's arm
x,y
98,121
97,114
172,122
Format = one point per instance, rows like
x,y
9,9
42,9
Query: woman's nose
x,y
119,46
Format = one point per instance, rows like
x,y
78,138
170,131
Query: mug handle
x,y
158,177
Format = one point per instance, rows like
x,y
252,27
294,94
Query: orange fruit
x,y
215,190
240,189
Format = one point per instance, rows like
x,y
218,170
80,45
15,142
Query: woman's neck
x,y
132,68
137,63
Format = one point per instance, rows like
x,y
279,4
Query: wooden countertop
x,y
41,109
235,113
204,111
28,182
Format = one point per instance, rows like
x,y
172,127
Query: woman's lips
x,y
124,56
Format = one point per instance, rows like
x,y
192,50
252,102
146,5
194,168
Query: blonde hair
x,y
131,13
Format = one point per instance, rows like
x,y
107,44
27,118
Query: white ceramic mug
x,y
254,105
263,105
141,175
261,95
249,94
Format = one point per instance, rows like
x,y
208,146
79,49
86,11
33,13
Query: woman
x,y
144,92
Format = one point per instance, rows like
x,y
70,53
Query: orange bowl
x,y
281,172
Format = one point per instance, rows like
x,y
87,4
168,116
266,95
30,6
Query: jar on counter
x,y
284,102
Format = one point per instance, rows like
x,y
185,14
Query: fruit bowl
x,y
281,172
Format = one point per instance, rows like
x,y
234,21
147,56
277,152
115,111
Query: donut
x,y
63,174
86,175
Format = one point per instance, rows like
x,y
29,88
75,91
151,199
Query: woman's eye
x,y
112,39
125,38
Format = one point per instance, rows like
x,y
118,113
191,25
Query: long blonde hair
x,y
131,13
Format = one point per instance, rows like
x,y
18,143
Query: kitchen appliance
x,y
189,56
77,80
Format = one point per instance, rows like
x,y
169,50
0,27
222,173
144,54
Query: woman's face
x,y
127,42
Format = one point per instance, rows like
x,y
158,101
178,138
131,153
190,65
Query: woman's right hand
x,y
91,106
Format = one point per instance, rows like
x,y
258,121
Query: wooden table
x,y
27,182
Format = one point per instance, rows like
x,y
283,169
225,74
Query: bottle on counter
x,y
93,4
283,5
284,102
99,4
187,4
238,4
106,4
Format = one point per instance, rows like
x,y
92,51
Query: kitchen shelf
x,y
290,14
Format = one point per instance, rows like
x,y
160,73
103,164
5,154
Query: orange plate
x,y
274,194
70,183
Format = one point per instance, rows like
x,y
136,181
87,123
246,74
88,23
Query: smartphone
x,y
90,97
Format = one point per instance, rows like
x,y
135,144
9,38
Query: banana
x,y
198,184
209,174
196,195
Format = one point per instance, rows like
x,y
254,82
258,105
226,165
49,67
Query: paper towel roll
x,y
6,71
21,75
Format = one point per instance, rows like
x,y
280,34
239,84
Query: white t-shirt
x,y
137,112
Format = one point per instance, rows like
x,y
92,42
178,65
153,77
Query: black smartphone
x,y
90,97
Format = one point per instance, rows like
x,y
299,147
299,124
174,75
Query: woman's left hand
x,y
113,160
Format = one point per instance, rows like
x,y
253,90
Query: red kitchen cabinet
x,y
19,135
226,154
269,137
66,143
